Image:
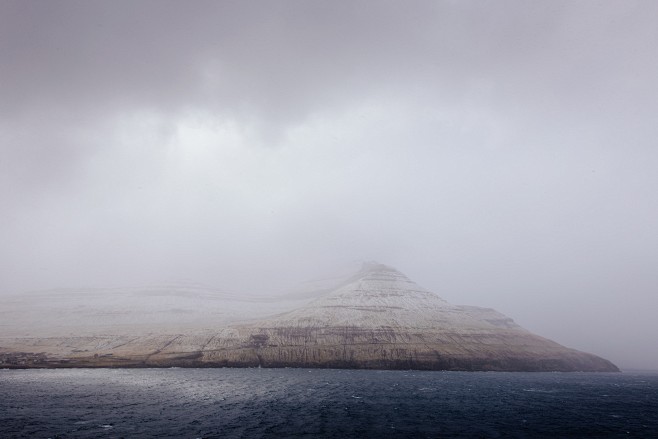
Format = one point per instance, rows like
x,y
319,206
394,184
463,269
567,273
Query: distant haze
x,y
501,154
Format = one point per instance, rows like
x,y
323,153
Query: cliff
x,y
377,319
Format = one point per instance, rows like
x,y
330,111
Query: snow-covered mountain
x,y
154,308
377,318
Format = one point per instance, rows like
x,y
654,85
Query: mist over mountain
x,y
501,154
375,319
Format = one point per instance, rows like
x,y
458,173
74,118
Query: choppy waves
x,y
245,403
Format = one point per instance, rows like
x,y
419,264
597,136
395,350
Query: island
x,y
376,319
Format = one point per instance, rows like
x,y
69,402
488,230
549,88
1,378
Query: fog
x,y
502,154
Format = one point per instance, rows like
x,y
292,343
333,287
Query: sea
x,y
324,403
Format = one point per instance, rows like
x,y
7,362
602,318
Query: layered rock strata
x,y
378,319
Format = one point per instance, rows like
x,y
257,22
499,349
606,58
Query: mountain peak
x,y
376,278
369,266
378,318
376,271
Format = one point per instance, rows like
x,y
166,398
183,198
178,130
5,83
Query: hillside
x,y
376,319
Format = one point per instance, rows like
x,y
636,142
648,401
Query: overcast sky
x,y
499,153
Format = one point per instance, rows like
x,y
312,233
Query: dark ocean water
x,y
292,403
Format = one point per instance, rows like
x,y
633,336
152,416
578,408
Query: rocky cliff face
x,y
376,319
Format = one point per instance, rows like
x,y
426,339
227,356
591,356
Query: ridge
x,y
377,319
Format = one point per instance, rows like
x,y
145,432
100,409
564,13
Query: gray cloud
x,y
501,154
